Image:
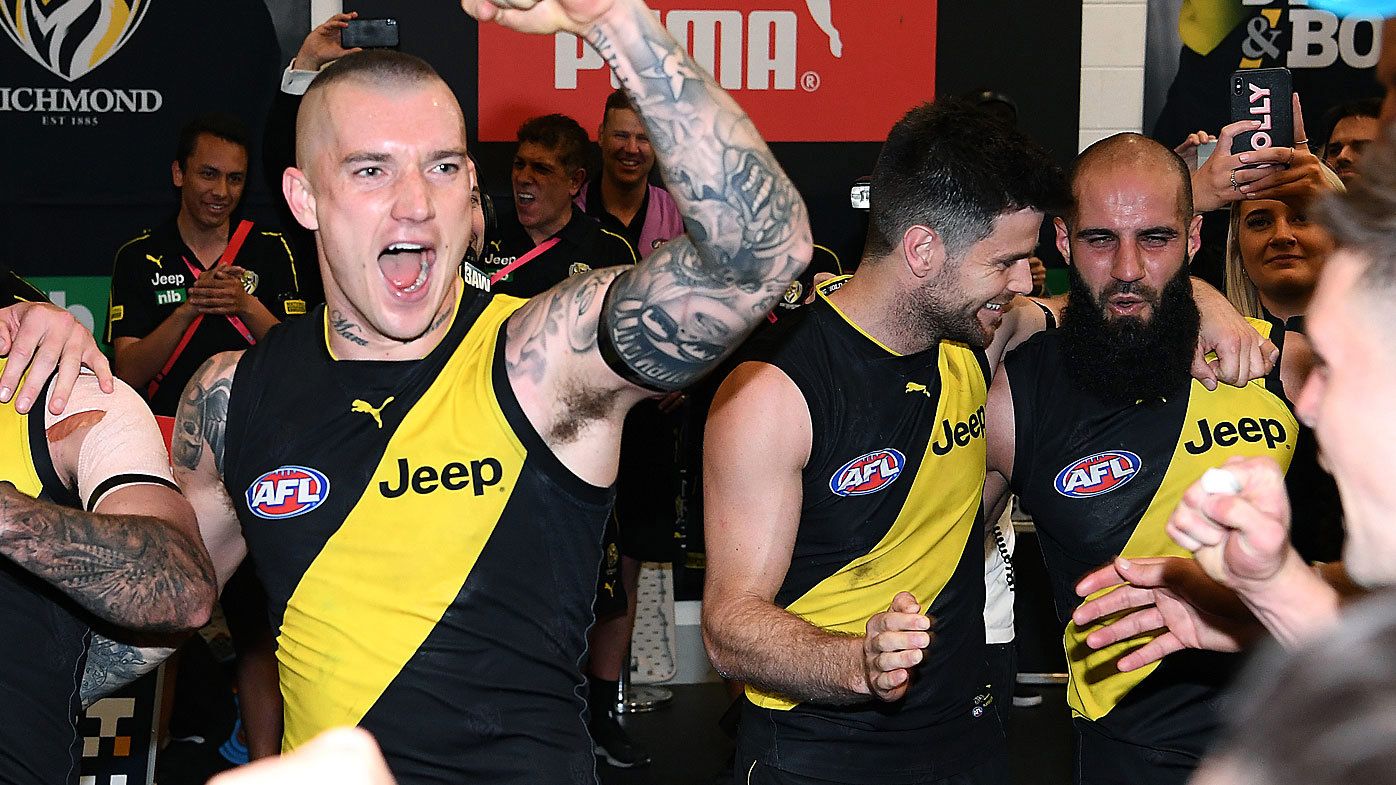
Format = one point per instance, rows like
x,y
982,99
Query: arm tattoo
x,y
132,571
346,329
112,665
202,418
676,315
566,313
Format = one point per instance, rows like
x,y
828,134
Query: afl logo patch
x,y
287,492
868,473
1098,474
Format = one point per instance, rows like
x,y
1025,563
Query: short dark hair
x,y
952,168
219,124
1134,148
559,133
618,99
377,67
1364,218
1321,714
1364,107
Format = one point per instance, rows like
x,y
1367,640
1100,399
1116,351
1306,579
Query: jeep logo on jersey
x,y
868,473
785,61
287,492
1227,434
959,434
1097,474
454,476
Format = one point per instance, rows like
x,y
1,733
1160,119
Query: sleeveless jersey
x,y
1101,480
430,564
891,503
44,647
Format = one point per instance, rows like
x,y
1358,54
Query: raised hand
x,y
540,16
39,338
322,45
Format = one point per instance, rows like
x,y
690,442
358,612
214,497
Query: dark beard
x,y
1128,359
932,310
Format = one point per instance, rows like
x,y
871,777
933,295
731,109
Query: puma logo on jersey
x,y
454,476
158,261
1246,429
913,387
364,407
960,434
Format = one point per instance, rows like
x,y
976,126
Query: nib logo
x,y
71,37
785,61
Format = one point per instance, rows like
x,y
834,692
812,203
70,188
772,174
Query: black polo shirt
x,y
583,245
150,280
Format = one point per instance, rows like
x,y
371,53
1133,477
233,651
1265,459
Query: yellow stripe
x,y
920,551
1095,686
120,13
384,579
1203,24
633,258
852,323
290,259
838,263
17,462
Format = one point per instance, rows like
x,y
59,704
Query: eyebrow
x,y
1164,232
1092,234
367,158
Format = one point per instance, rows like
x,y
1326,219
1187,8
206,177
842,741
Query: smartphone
x,y
369,34
1264,94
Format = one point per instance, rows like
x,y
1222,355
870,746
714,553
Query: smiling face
x,y
387,187
1282,250
210,182
971,294
626,154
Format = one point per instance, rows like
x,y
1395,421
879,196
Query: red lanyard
x,y
538,251
229,254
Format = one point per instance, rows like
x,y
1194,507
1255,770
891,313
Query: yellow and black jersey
x,y
891,503
430,564
1101,480
44,646
14,289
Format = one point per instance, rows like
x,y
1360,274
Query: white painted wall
x,y
1112,67
320,10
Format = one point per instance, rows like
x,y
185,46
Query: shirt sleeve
x,y
131,307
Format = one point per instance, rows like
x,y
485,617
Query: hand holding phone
x,y
369,34
1264,95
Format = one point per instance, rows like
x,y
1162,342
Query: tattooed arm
x,y
135,561
674,316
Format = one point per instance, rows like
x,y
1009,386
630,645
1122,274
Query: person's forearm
x,y
257,318
777,651
137,363
1295,604
743,214
137,572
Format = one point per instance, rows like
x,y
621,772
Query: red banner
x,y
805,70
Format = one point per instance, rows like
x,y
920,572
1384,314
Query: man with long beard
x,y
1099,428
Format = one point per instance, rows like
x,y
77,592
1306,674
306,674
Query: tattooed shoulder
x,y
203,412
557,325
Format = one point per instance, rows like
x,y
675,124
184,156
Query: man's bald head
x,y
1133,153
377,69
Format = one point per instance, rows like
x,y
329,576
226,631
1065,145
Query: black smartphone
x,y
369,34
1264,94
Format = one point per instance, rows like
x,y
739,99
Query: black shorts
x,y
1102,760
994,771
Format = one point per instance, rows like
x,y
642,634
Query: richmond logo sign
x,y
71,37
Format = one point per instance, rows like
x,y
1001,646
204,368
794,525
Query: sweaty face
x,y
626,154
1129,238
543,188
1344,149
1281,249
210,183
1345,400
965,301
390,186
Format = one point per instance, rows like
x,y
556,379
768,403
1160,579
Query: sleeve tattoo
x,y
202,418
112,665
676,315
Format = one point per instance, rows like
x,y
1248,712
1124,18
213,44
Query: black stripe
x,y
119,480
606,344
54,489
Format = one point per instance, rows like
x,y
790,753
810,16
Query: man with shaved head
x,y
427,514
1098,427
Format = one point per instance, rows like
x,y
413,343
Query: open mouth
x,y
406,265
1126,304
525,198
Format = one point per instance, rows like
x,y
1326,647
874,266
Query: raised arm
x,y
759,418
671,318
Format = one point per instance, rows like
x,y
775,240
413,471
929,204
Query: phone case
x,y
1263,94
369,34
